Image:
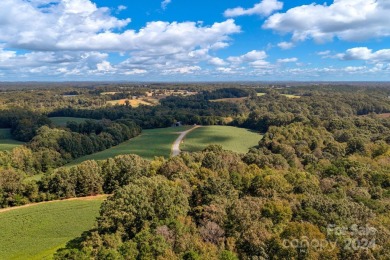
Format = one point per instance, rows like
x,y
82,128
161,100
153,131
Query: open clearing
x,y
384,115
231,100
7,143
61,121
243,99
286,95
151,143
36,231
135,102
231,138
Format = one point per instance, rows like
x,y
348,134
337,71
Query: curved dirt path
x,y
176,145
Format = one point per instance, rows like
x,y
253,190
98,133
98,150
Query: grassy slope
x,y
7,143
61,121
37,231
151,143
231,138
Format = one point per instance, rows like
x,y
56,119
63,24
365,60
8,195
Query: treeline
x,y
171,110
53,147
83,139
23,123
86,179
273,109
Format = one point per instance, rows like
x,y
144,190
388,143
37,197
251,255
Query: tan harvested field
x,y
108,93
135,102
290,96
384,115
286,95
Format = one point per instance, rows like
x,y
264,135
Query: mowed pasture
x,y
36,231
231,138
61,121
7,143
151,143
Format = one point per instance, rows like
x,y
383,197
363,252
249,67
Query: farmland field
x,y
290,96
231,138
61,121
7,143
286,95
37,231
151,143
135,102
231,100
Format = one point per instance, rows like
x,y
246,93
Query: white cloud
x,y
324,53
255,59
251,56
264,8
121,8
104,66
74,37
352,69
81,25
286,45
345,19
165,3
217,61
226,70
183,70
135,72
366,54
287,60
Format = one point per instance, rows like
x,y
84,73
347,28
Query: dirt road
x,y
176,145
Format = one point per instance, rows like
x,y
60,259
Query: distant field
x,y
231,100
61,121
231,138
135,102
151,143
291,96
37,231
6,141
286,95
385,115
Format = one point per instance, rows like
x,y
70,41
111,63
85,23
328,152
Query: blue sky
x,y
183,40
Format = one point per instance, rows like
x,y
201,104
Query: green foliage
x,y
324,159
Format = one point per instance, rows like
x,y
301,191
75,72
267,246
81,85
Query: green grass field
x,y
61,121
151,143
231,138
7,143
37,231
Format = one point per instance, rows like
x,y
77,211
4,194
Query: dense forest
x,y
317,186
